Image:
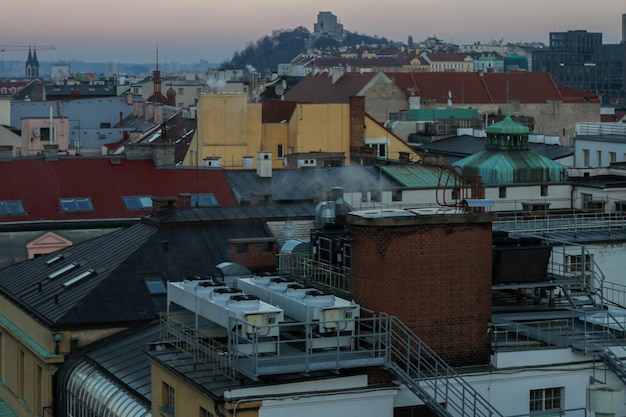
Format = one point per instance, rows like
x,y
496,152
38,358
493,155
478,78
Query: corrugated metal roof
x,y
307,183
5,410
414,176
125,259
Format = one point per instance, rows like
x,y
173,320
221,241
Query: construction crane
x,y
7,48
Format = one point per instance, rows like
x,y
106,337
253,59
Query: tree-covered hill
x,y
283,45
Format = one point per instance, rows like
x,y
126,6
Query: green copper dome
x,y
507,126
507,158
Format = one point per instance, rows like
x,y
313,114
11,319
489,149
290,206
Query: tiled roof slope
x,y
473,87
319,88
39,183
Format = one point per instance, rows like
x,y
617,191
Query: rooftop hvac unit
x,y
229,308
304,303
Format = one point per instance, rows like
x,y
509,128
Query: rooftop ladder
x,y
429,377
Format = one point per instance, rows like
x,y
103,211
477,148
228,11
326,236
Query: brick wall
x,y
436,277
255,255
357,122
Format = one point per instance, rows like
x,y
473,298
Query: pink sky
x,y
190,30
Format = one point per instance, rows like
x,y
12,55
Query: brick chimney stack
x,y
431,271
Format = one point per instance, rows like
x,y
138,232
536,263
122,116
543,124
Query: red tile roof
x,y
277,111
473,87
38,184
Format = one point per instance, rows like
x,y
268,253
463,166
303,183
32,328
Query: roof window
x,y
11,208
137,202
204,200
76,205
79,277
64,270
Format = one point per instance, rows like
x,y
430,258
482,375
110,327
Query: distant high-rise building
x,y
32,65
579,59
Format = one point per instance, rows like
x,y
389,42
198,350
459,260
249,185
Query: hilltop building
x,y
327,27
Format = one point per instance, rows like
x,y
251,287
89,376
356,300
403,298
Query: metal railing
x,y
579,222
321,272
430,377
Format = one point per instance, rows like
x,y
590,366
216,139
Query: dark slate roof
x,y
458,147
277,111
319,88
39,183
306,183
117,294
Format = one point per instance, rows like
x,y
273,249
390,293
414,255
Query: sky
x,y
187,31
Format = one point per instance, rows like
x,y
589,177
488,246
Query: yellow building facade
x,y
232,130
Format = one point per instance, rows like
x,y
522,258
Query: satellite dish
x,y
36,130
284,84
449,98
279,90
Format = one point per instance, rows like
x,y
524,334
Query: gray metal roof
x,y
458,147
307,183
125,259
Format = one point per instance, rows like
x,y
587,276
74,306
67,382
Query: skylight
x,y
204,200
76,205
63,270
137,202
54,260
156,286
11,207
79,277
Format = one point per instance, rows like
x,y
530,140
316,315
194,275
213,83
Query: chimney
x,y
149,113
163,154
163,206
129,98
158,113
6,153
357,122
51,152
264,164
184,200
141,108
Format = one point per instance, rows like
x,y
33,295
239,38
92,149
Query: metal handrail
x,y
430,377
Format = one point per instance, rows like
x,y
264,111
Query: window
x,y
205,413
396,195
546,399
364,196
381,149
8,208
156,286
612,157
75,205
586,158
180,92
544,190
375,196
575,264
204,200
281,151
502,192
169,399
241,247
599,158
137,202
266,246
